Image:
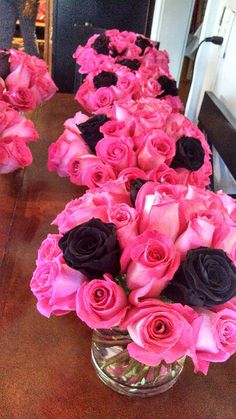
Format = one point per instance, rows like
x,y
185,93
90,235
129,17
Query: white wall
x,y
214,70
171,23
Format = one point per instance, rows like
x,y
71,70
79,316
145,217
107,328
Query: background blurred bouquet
x,y
24,80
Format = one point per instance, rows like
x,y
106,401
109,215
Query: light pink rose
x,y
125,219
21,98
49,249
117,152
150,258
160,332
55,284
157,148
216,338
43,88
101,303
81,210
158,206
90,171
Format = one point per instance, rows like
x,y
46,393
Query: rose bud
x,y
92,248
206,278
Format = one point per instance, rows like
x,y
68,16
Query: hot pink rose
x,y
163,174
101,303
125,219
150,258
118,152
157,148
114,129
159,331
103,97
49,249
216,339
129,174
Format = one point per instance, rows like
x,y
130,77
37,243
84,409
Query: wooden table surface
x,y
45,368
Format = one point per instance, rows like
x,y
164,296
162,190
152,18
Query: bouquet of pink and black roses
x,y
155,260
143,136
24,80
123,65
15,134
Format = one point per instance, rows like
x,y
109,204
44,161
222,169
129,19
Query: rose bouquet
x,y
24,80
123,65
142,136
15,133
154,266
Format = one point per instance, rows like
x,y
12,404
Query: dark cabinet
x,y
75,20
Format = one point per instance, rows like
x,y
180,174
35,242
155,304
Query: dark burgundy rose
x,y
189,154
157,46
206,278
105,79
142,43
4,65
135,185
92,248
168,85
132,64
114,53
90,130
101,44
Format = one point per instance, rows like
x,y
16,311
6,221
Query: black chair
x,y
219,126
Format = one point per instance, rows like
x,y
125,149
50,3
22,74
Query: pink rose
x,y
216,338
118,152
158,206
49,249
81,210
21,98
163,174
160,332
101,304
90,171
129,174
43,89
103,97
150,258
157,148
18,151
114,129
55,284
4,159
125,219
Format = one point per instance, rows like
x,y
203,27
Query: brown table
x,y
45,368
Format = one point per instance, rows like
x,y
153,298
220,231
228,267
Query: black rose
x,y
206,278
168,85
105,79
189,154
101,44
142,43
132,64
4,65
92,248
90,130
114,53
135,185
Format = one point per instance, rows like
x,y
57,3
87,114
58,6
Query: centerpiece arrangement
x,y
152,271
24,84
146,257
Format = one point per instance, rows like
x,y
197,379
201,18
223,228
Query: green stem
x,y
120,357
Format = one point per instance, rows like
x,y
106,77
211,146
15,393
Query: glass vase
x,y
124,374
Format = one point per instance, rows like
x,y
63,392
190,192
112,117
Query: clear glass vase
x,y
124,374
